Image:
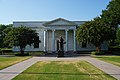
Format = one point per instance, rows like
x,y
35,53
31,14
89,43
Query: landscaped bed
x,y
111,59
8,61
63,70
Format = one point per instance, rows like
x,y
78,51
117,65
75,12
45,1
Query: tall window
x,y
36,44
84,45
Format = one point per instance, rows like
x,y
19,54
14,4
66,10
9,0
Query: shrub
x,y
25,54
114,49
115,53
0,51
6,51
98,53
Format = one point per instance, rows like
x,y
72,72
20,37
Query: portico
x,y
56,28
51,36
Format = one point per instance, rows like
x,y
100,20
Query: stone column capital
x,y
66,29
74,29
45,29
53,30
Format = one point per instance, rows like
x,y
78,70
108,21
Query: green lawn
x,y
8,61
59,70
111,59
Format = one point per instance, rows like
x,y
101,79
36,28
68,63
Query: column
x,y
53,40
66,33
74,31
45,31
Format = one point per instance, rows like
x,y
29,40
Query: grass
x,y
111,59
30,53
61,70
8,61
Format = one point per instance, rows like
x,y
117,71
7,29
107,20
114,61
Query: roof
x,y
59,20
44,23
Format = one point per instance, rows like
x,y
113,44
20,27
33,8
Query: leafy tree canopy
x,y
111,15
94,32
2,33
101,28
20,37
118,36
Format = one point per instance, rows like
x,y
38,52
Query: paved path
x,y
12,71
106,67
16,69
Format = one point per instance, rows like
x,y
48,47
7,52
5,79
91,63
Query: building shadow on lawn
x,y
68,54
53,73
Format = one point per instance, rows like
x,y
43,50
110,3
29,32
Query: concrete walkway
x,y
106,67
12,71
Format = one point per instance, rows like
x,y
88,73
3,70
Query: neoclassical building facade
x,y
50,31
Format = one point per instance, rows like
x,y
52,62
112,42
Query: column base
x,y
66,52
75,52
53,52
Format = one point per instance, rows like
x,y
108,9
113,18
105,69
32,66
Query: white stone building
x,y
50,31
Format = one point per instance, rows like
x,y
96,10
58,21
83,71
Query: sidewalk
x,y
12,71
106,67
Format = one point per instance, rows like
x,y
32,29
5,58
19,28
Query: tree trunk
x,y
21,50
98,48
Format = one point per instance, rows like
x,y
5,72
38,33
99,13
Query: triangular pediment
x,y
59,22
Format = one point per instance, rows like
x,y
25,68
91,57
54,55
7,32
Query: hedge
x,y
98,53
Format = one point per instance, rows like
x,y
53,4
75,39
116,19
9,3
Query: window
x,y
36,44
84,45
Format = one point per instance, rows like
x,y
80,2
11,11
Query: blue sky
x,y
38,10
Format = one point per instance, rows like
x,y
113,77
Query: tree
x,y
102,28
2,34
111,16
20,37
5,32
94,32
2,27
118,36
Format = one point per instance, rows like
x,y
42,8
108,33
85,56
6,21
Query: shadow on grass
x,y
51,73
